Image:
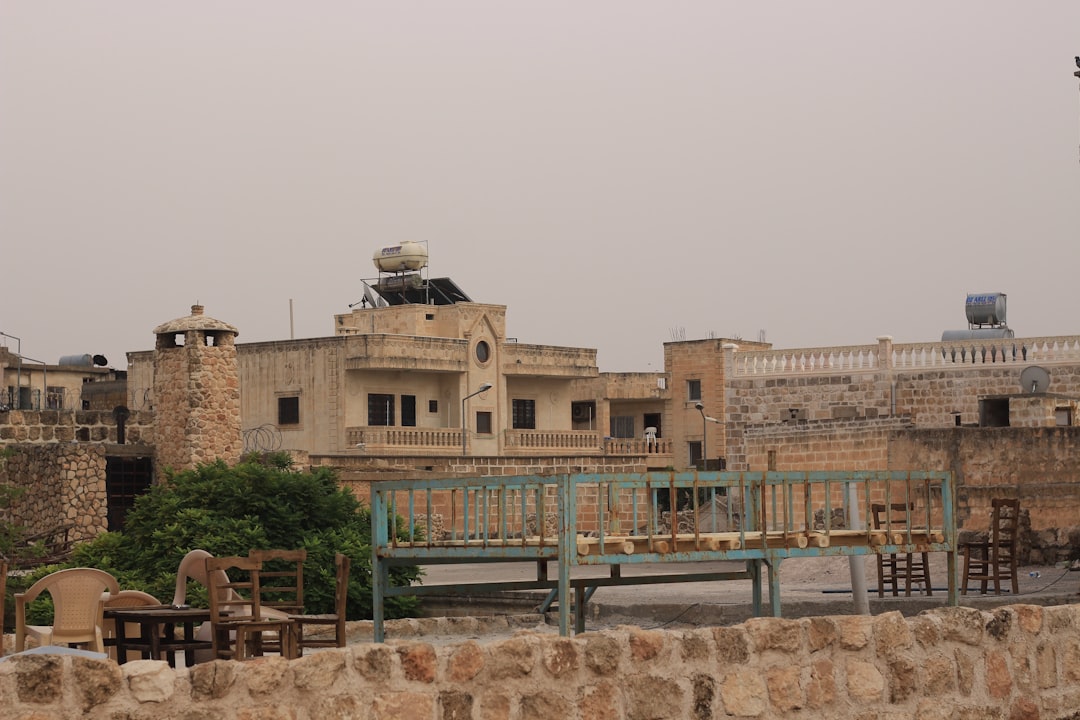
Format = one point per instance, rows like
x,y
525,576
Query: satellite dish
x,y
369,295
1034,379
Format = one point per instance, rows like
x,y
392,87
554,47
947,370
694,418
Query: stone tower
x,y
196,392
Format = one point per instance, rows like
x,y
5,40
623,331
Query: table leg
x,y
155,638
189,638
121,642
169,632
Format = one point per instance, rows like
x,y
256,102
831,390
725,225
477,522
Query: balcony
x,y
382,440
552,442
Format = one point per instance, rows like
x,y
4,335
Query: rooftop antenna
x,y
1077,73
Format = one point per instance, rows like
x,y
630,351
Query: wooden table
x,y
157,632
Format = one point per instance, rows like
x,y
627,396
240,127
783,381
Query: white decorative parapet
x,y
907,356
805,360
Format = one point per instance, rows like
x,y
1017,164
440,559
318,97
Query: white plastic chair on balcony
x,y
650,437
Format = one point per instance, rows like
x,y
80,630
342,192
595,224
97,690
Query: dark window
x,y
695,452
653,420
408,410
125,480
483,351
622,426
483,423
380,409
524,414
288,410
433,406
693,389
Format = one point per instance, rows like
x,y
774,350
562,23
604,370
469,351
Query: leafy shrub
x,y
260,503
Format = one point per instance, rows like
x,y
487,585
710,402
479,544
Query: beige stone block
x,y
774,634
647,644
821,632
744,694
854,631
560,656
148,680
1046,666
599,702
865,682
961,624
650,696
603,653
317,671
402,706
374,662
891,634
939,672
732,644
418,662
821,689
465,662
513,658
785,688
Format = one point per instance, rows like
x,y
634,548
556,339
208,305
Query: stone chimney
x,y
196,392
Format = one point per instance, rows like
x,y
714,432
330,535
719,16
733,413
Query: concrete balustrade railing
x,y
908,356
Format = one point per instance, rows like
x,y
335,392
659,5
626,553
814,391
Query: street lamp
x,y
464,423
18,374
705,420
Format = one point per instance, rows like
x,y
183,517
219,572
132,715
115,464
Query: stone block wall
x,y
63,484
1018,663
65,426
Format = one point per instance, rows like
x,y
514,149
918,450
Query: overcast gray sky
x,y
618,173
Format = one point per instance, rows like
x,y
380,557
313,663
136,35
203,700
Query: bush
x,y
260,503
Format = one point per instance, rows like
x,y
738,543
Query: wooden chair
x,y
78,596
281,580
893,568
125,598
995,558
236,612
336,619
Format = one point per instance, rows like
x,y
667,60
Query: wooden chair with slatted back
x,y
236,620
894,568
281,580
995,558
342,565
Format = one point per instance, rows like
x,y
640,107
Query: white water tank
x,y
401,257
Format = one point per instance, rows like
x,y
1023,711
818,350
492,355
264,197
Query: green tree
x,y
260,503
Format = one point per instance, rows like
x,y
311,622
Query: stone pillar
x,y
886,388
196,392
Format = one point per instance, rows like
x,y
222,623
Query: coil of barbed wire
x,y
264,438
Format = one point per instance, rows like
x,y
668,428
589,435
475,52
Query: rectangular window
x,y
380,409
433,406
694,447
622,426
483,423
288,410
524,414
54,398
408,411
693,389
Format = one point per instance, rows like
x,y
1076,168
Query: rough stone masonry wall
x,y
1018,663
63,484
197,404
65,426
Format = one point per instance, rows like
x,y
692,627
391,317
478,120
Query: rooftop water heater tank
x,y
985,309
401,257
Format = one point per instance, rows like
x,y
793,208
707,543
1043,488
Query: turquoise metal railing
x,y
760,518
